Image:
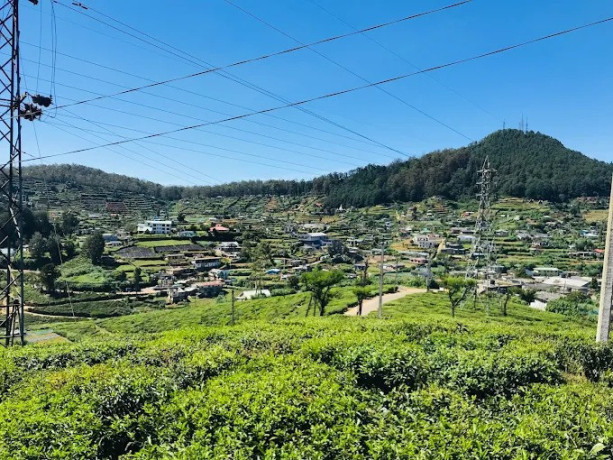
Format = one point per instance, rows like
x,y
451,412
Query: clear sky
x,y
562,86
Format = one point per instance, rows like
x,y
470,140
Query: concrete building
x,y
427,241
206,263
546,271
155,227
315,240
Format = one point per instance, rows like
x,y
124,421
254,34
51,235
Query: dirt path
x,y
372,304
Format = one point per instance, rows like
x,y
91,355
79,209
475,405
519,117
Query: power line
x,y
351,90
199,62
194,93
152,151
278,53
259,163
150,107
216,134
219,148
231,137
403,59
154,167
348,70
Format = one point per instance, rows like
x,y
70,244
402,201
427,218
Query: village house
x,y
111,240
229,249
523,235
218,274
458,230
155,227
179,294
418,260
175,259
209,288
464,238
546,271
582,255
429,241
218,228
542,298
315,240
206,263
567,285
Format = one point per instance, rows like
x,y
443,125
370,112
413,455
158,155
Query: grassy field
x,y
211,312
597,215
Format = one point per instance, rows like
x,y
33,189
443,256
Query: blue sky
x,y
561,86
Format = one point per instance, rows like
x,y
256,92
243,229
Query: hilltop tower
x,y
606,288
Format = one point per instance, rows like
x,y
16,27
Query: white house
x,y
427,241
546,271
248,295
155,227
463,238
204,263
569,284
229,249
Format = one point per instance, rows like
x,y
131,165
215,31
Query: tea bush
x,y
417,384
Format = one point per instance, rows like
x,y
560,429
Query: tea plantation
x,y
415,384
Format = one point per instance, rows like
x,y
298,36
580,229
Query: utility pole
x,y
429,272
606,288
233,306
380,310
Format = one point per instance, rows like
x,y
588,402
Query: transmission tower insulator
x,y
12,325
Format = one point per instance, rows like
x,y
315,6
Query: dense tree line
x,y
529,165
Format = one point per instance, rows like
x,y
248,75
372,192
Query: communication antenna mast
x,y
483,249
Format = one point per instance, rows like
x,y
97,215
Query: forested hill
x,y
530,165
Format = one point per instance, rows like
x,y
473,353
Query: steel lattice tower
x,y
11,198
483,249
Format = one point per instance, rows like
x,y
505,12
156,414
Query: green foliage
x,y
93,247
38,247
97,309
457,290
319,283
529,165
574,304
81,274
418,384
70,222
137,278
362,293
48,276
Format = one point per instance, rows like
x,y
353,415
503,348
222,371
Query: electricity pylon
x,y
483,249
12,323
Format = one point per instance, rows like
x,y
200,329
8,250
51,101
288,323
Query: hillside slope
x,y
529,165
